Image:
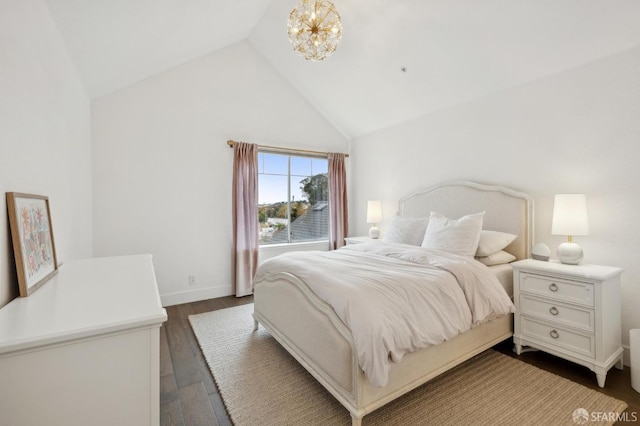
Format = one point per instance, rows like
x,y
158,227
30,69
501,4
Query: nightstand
x,y
359,240
571,311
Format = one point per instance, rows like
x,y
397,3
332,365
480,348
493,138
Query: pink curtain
x,y
338,200
245,216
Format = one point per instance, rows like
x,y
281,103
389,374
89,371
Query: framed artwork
x,y
32,236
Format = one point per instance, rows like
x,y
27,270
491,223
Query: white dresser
x,y
84,348
571,311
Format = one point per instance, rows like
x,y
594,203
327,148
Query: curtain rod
x,y
277,148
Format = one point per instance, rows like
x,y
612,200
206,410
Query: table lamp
x,y
374,215
570,219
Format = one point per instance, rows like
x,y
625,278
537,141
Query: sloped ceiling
x,y
451,51
116,43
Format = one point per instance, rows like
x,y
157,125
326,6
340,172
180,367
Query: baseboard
x,y
195,295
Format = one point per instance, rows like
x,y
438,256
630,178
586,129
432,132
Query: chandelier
x,y
314,29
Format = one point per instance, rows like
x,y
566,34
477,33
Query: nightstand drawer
x,y
579,343
563,290
557,312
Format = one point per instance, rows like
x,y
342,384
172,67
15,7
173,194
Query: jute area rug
x,y
261,384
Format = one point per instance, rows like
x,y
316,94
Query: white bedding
x,y
397,298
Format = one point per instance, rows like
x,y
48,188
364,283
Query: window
x,y
293,198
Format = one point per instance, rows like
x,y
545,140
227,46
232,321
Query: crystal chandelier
x,y
314,29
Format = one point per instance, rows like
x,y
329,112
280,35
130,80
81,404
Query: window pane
x,y
314,188
310,216
276,164
272,208
311,223
319,165
272,189
296,189
301,166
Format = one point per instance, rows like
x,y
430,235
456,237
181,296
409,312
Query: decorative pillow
x,y
498,258
492,242
458,236
406,230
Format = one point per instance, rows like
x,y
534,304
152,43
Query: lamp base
x,y
569,253
374,233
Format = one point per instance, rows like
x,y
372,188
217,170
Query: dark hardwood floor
x,y
189,396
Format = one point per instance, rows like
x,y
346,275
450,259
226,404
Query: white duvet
x,y
396,298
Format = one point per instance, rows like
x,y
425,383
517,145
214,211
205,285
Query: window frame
x,y
289,154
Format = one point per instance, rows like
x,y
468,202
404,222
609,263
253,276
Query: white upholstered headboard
x,y
506,210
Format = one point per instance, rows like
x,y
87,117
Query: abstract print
x,y
35,237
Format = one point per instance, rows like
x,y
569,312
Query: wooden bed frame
x,y
309,329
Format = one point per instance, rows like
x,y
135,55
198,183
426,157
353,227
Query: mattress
x,y
504,273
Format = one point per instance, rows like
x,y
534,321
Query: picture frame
x,y
32,237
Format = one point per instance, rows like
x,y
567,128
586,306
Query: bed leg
x,y
255,324
355,420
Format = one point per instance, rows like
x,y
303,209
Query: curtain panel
x,y
245,216
339,220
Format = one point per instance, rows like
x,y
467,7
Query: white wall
x,y
162,169
577,131
44,132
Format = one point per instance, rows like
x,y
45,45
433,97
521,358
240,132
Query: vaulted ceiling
x,y
398,59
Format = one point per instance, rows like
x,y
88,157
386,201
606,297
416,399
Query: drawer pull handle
x,y
554,334
553,310
553,287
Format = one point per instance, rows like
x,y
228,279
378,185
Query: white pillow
x,y
406,230
492,242
498,258
459,236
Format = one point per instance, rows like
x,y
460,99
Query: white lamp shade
x,y
374,211
570,215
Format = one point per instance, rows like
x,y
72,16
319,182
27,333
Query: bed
x,y
313,333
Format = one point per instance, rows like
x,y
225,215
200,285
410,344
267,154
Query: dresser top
x,y
596,272
85,298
